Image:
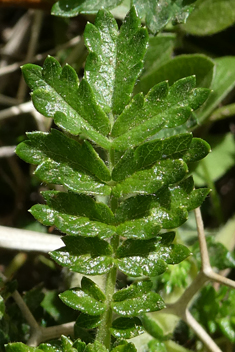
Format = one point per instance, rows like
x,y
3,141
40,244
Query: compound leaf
x,y
115,59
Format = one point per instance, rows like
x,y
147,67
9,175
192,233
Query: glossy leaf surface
x,y
78,205
169,206
115,59
77,166
145,116
89,256
150,257
88,321
58,94
149,302
144,228
148,153
77,299
126,328
150,181
71,224
158,13
70,8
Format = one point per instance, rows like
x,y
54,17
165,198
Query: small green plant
x,y
123,162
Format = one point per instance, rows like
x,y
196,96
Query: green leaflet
x,y
136,299
163,107
124,346
77,166
152,327
88,321
20,347
89,287
71,224
96,347
168,207
115,60
144,228
126,328
70,8
149,153
149,257
77,299
149,181
78,205
88,256
58,94
155,15
158,13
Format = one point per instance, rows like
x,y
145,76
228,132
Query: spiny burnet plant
x,y
124,169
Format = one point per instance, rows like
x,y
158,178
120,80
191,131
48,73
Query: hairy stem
x,y
103,333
